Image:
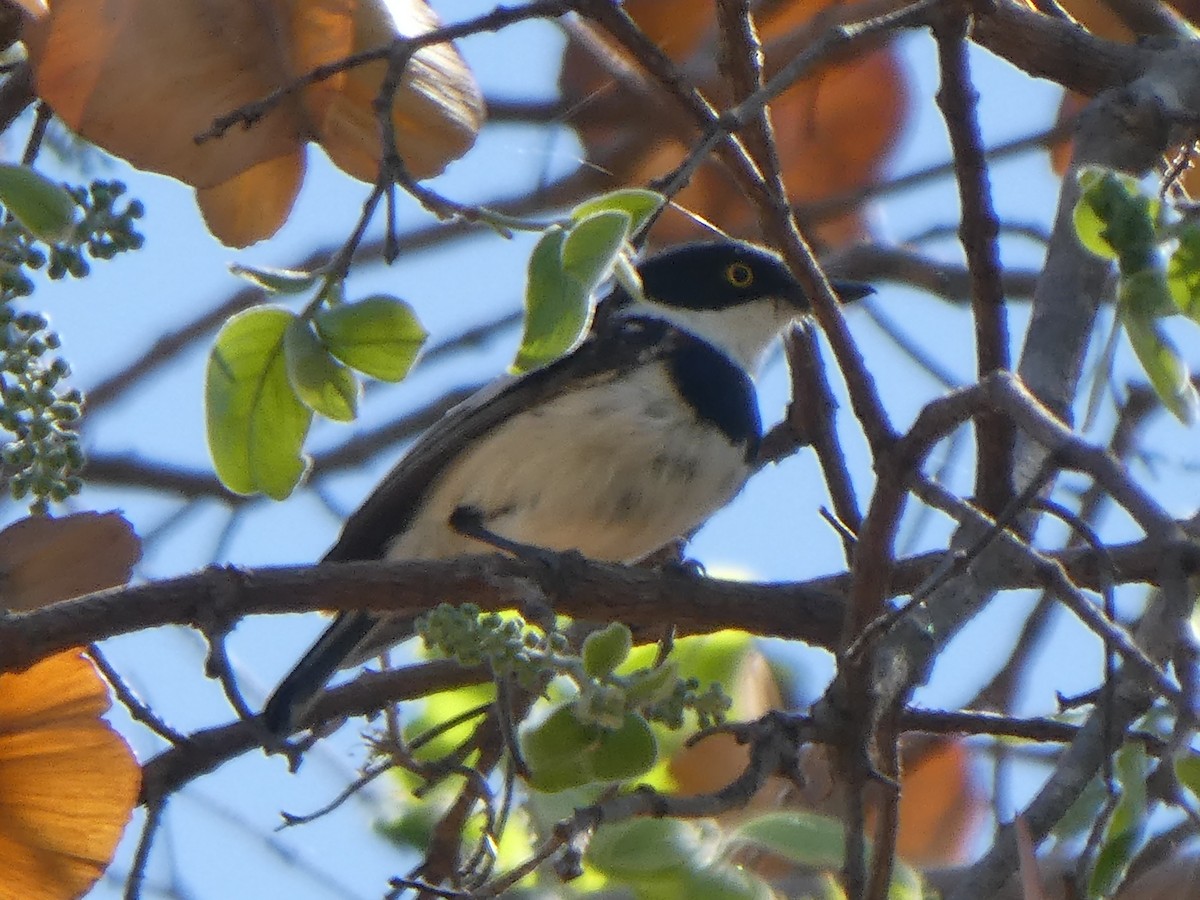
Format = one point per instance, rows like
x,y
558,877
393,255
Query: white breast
x,y
614,471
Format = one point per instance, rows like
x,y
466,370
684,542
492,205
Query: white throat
x,y
743,333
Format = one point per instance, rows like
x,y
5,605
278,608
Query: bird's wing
x,y
389,510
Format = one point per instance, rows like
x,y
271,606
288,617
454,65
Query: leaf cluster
x,y
1158,260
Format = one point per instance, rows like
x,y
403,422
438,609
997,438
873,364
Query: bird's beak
x,y
849,291
845,291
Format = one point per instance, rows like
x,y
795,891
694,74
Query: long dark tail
x,y
300,688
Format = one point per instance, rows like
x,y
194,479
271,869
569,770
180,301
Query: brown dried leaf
x,y
142,78
43,560
833,130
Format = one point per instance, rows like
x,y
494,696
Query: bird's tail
x,y
333,650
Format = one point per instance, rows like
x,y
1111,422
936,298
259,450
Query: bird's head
x,y
735,295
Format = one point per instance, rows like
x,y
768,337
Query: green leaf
x,y
1187,770
559,736
277,281
605,649
1111,862
800,837
1146,294
42,206
592,247
1183,273
256,424
637,203
817,841
720,881
556,305
644,848
1115,220
627,752
379,336
1164,367
1124,831
322,383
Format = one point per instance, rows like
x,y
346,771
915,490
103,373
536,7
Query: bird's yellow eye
x,y
739,275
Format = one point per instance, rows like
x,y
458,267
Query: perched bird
x,y
631,440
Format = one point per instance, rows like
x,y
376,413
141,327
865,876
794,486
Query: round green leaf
x,y
637,203
605,649
562,776
558,737
801,837
645,848
322,383
256,425
629,751
723,881
379,336
42,206
556,305
277,281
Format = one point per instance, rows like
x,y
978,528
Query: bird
x,y
628,442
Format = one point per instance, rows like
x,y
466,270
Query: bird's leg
x,y
468,521
671,558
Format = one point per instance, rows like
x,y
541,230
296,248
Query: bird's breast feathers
x,y
615,468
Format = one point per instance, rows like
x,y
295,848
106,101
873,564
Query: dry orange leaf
x,y
68,782
142,78
940,803
833,129
710,764
43,560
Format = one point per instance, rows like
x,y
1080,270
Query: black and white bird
x,y
631,440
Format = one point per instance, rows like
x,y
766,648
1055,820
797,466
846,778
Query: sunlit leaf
x,y
68,782
637,203
256,424
592,246
379,336
322,383
42,206
555,305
